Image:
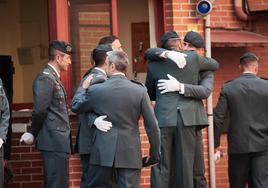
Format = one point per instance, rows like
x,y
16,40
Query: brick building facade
x,y
179,15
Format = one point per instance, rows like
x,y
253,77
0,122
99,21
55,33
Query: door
x,y
140,43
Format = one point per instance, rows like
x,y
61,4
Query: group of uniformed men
x,y
109,107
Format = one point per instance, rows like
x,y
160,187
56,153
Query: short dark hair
x,y
99,57
99,54
108,39
248,57
247,60
52,53
119,59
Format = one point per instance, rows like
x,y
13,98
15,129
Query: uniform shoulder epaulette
x,y
46,71
136,82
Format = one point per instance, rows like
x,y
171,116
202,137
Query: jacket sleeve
x,y
4,113
42,95
220,114
207,63
151,126
153,54
80,102
203,90
91,117
150,84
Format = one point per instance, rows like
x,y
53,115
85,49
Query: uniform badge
x,y
47,73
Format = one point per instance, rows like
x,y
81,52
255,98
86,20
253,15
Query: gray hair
x,y
119,59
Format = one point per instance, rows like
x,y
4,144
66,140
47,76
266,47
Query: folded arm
x,y
209,64
203,90
81,102
154,54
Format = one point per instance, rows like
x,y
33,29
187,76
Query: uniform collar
x,y
58,74
248,72
101,70
118,73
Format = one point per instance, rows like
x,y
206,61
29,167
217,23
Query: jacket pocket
x,y
54,124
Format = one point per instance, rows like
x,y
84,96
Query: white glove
x,y
102,125
1,142
170,85
28,138
217,156
178,58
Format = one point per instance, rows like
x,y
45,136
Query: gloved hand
x,y
102,125
217,156
178,58
1,142
28,138
170,85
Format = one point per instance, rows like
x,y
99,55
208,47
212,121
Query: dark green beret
x,y
195,39
61,46
167,36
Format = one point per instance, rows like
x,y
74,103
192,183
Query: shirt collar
x,y
58,74
99,69
118,73
246,72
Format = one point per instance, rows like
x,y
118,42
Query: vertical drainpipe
x,y
210,111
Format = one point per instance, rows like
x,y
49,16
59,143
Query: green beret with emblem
x,y
61,46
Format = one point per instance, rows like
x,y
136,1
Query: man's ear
x,y
201,51
113,66
57,58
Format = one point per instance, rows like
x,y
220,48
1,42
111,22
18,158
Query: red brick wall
x,y
93,26
88,24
